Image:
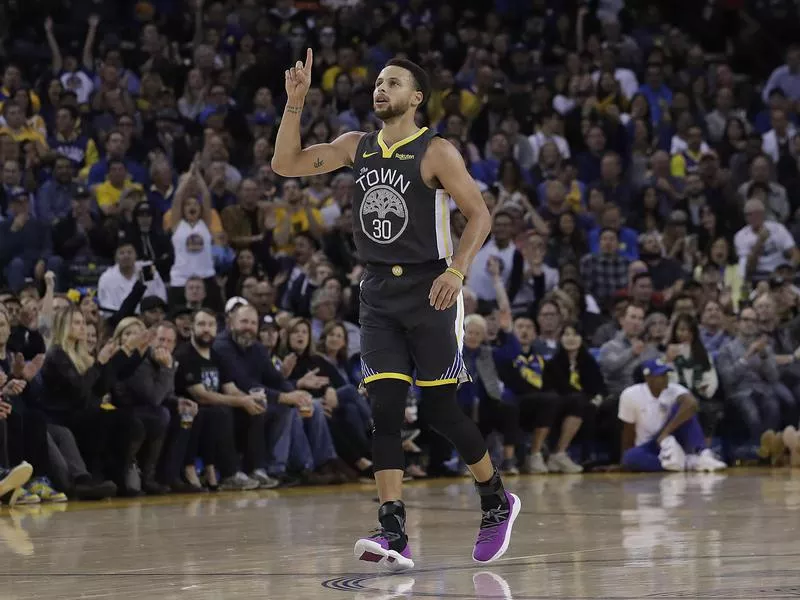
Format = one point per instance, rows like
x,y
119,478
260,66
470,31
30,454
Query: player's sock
x,y
392,517
492,492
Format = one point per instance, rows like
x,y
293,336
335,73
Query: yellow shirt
x,y
574,198
299,224
678,165
36,104
24,134
469,104
358,75
108,195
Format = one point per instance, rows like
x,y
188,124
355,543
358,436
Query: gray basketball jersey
x,y
397,218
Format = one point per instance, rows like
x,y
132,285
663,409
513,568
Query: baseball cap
x,y
82,191
655,367
235,303
269,321
776,281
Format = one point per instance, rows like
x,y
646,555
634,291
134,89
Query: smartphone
x,y
148,272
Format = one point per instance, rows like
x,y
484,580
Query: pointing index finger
x,y
309,60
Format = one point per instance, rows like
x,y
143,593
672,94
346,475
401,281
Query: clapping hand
x,y
107,351
14,387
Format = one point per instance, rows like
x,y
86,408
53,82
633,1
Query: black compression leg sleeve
x,y
388,397
444,415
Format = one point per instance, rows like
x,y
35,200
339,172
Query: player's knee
x,y
388,398
439,405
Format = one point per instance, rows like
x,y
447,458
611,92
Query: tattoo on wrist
x,y
318,163
294,109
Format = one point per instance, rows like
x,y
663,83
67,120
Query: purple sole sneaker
x,y
495,532
376,551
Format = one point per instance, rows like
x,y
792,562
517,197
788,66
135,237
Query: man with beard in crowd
x,y
201,377
248,363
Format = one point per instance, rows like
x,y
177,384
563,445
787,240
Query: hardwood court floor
x,y
594,536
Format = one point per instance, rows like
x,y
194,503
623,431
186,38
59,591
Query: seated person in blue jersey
x,y
611,218
69,141
26,249
521,371
661,431
54,199
116,148
483,396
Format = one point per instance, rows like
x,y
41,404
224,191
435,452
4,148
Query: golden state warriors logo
x,y
384,214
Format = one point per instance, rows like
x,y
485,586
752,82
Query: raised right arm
x,y
290,160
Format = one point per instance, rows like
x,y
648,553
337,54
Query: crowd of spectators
x,y
174,316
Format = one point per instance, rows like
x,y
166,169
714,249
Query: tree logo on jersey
x,y
384,214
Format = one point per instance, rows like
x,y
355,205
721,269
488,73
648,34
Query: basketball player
x,y
412,311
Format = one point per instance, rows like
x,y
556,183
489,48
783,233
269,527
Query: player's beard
x,y
391,111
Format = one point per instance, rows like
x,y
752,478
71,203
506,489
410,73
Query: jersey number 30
x,y
382,229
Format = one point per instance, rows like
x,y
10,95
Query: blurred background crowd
x,y
177,317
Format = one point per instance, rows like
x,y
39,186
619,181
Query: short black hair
x,y
421,79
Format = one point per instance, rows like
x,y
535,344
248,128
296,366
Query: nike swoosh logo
x,y
368,154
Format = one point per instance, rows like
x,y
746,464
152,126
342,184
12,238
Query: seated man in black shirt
x,y
201,377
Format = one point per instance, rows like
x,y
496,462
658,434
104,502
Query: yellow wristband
x,y
456,272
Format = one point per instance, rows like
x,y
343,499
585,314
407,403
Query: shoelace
x,y
490,522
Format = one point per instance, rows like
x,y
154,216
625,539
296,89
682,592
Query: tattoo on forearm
x,y
318,163
294,109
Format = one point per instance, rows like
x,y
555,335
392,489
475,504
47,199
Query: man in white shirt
x,y
548,132
780,136
500,245
661,431
762,245
626,78
776,199
786,77
117,282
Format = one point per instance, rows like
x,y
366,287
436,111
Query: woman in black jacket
x,y
143,394
73,386
575,376
352,448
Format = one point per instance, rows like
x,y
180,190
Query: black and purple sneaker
x,y
376,549
495,532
